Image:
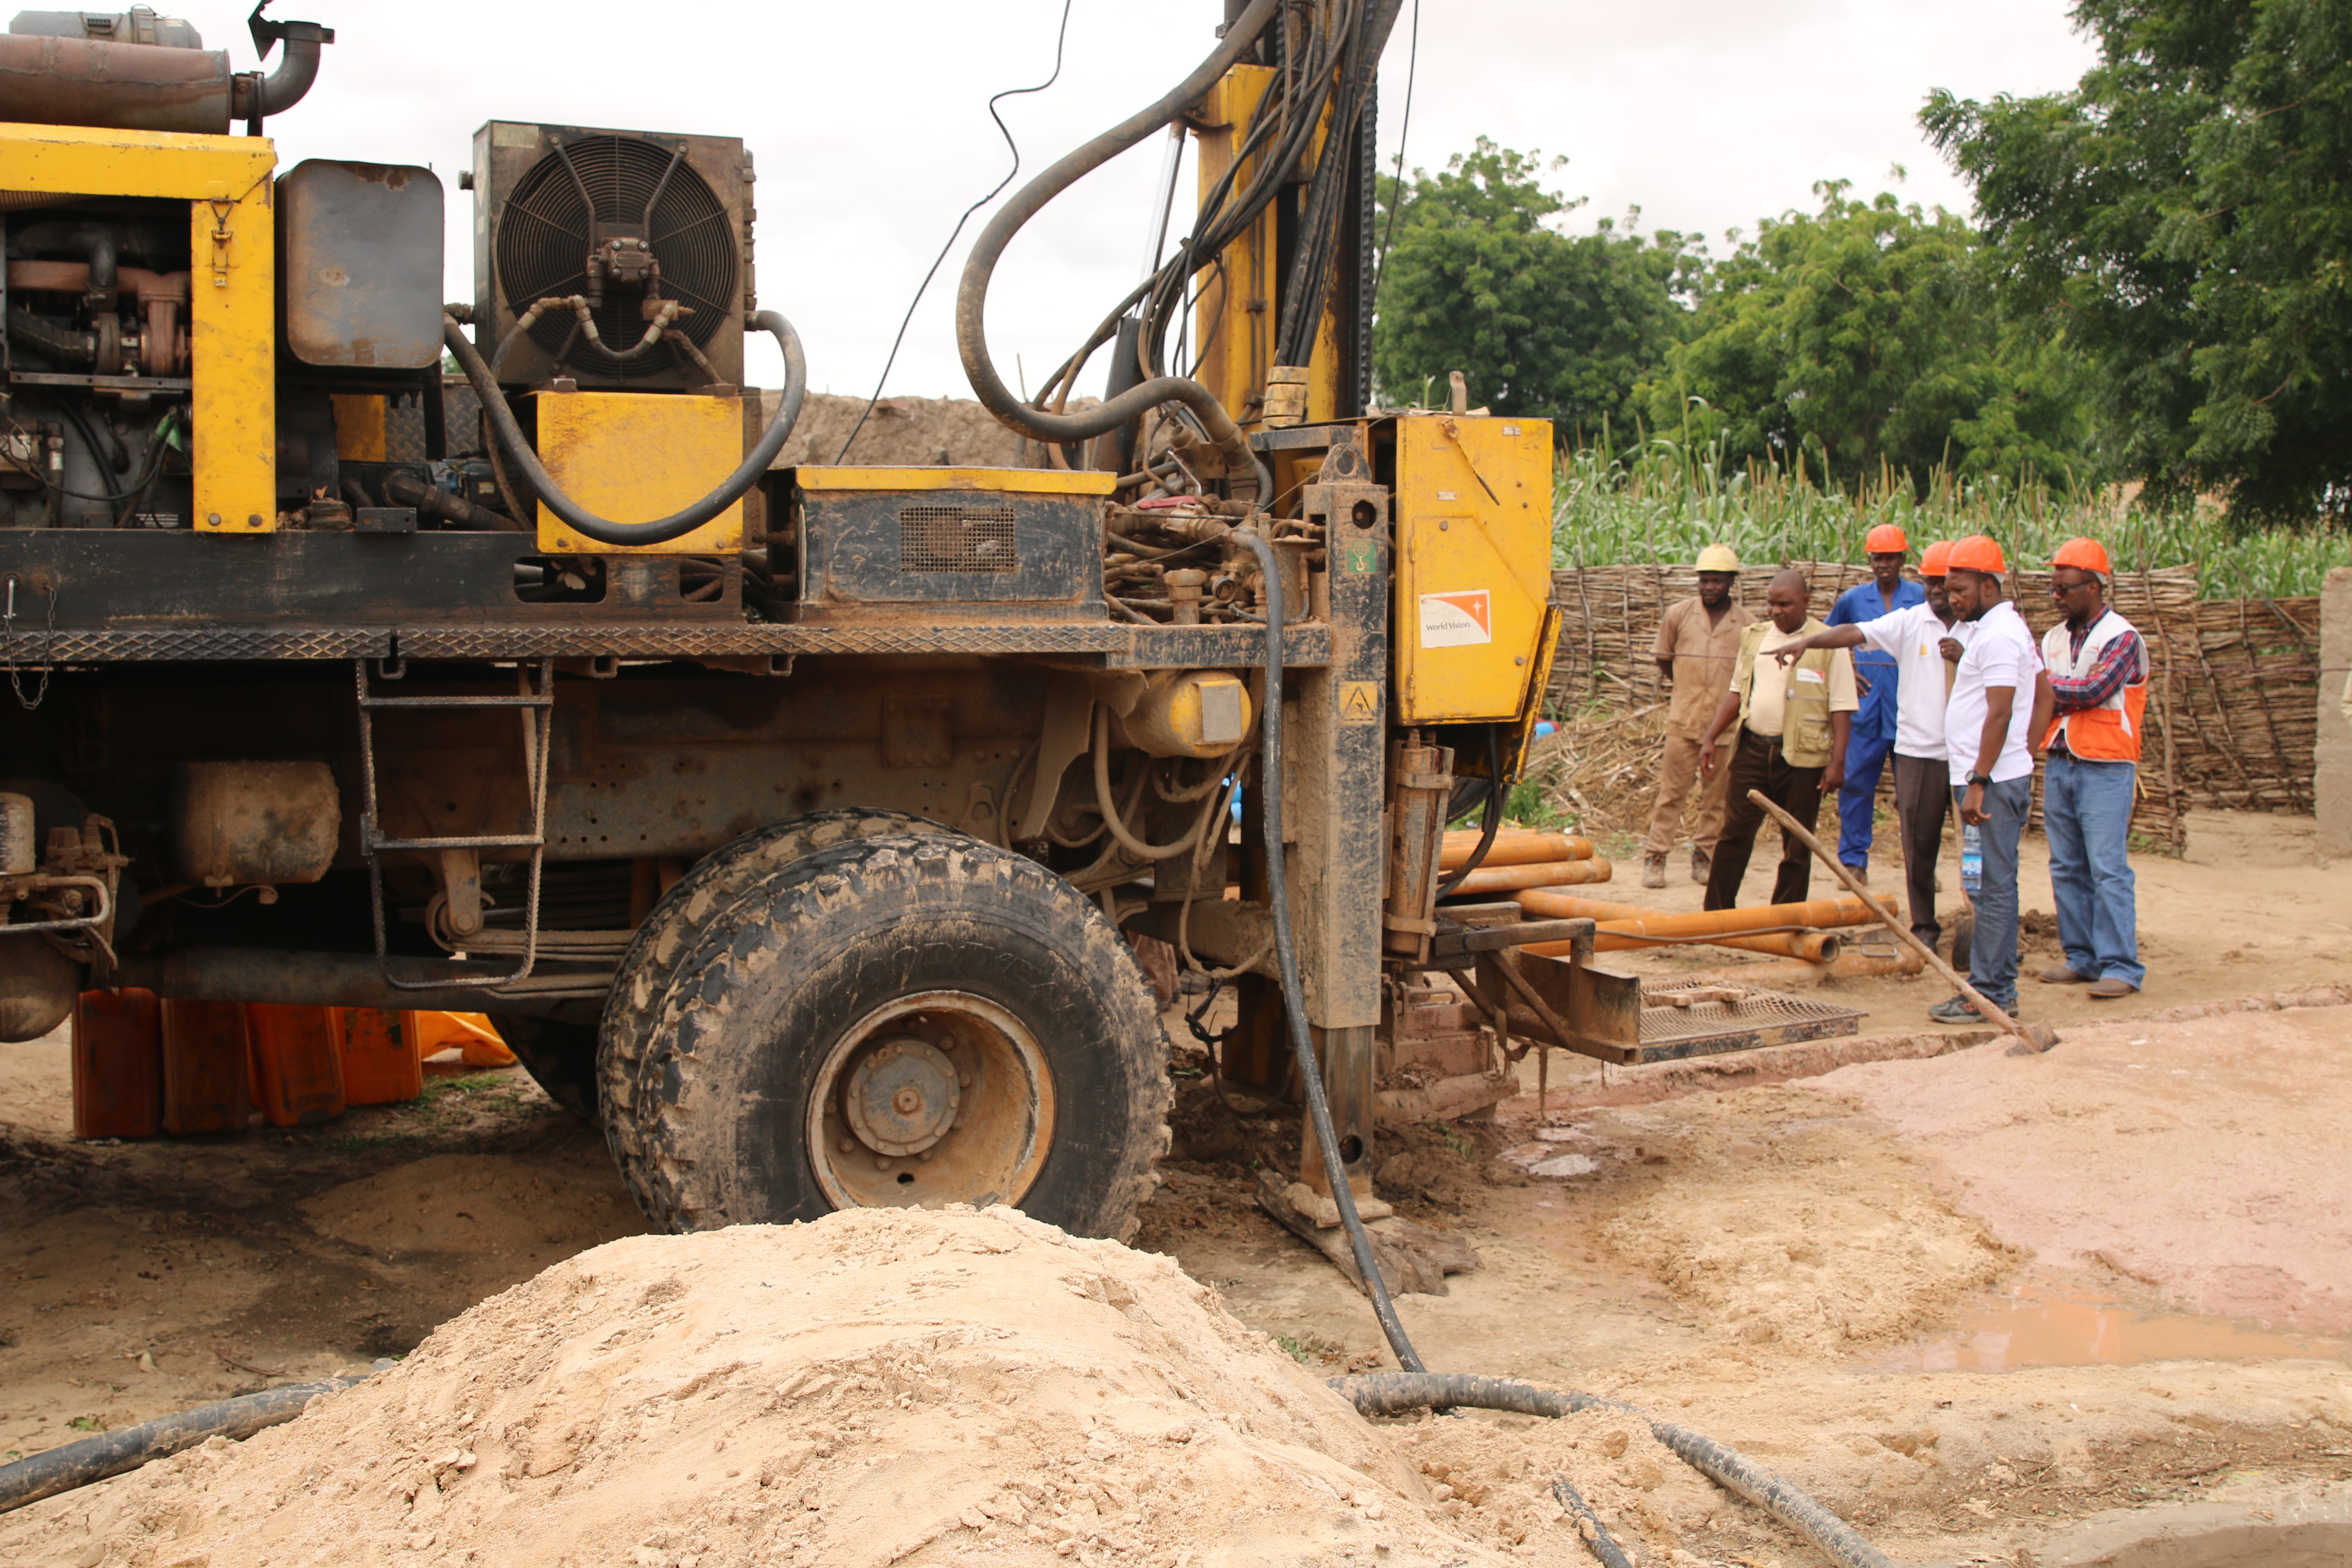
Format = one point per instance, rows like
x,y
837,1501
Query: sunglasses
x,y
2060,590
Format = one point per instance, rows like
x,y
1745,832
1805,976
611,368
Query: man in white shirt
x,y
1913,635
1988,725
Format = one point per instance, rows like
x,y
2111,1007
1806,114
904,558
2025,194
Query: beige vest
x,y
1805,732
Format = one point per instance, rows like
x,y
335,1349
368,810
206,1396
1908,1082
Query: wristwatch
x,y
1976,778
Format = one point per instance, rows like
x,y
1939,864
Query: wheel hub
x,y
901,1098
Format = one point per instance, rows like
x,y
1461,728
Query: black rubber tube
x,y
971,294
1395,1393
1492,822
62,1469
1604,1545
660,531
1286,950
47,337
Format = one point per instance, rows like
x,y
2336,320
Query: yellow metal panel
x,y
231,342
358,426
1474,564
75,161
1031,481
1235,319
633,457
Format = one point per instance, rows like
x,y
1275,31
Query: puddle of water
x,y
2031,1327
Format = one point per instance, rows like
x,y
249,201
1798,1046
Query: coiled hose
x,y
660,531
1245,470
61,1469
1395,1393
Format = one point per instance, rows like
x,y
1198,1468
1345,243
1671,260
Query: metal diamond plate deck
x,y
204,643
1704,1020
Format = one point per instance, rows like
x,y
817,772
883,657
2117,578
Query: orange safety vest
x,y
2109,733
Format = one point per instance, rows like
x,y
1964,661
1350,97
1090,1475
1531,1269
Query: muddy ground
x,y
1969,1301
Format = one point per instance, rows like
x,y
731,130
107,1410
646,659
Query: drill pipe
x,y
1816,914
1514,848
1512,878
1854,964
1814,947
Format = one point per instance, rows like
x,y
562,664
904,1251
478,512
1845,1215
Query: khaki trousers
x,y
1677,772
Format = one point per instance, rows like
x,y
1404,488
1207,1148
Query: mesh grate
x,y
956,538
1712,1010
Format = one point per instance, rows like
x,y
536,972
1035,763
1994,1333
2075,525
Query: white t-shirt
x,y
2001,652
1916,637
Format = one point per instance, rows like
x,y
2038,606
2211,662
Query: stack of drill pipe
x,y
1522,860
1760,929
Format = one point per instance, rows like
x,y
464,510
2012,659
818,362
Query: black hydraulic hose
x,y
1395,1393
432,501
48,337
93,1460
1493,821
1285,949
1604,1544
971,295
660,531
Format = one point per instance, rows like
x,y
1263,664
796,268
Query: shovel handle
x,y
1902,933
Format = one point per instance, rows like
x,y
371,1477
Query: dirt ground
x,y
1970,1301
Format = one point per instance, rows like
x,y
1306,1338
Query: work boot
x,y
1958,1010
1861,872
1654,870
1702,865
2061,975
2110,988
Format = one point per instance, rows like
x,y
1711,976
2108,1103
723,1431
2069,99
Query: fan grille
x,y
548,226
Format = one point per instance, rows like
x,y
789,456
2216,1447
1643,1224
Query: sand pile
x,y
878,1387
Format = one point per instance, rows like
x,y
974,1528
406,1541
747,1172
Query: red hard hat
x,y
1976,553
1886,538
1938,557
2084,555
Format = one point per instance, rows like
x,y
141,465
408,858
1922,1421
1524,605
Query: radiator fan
x,y
586,194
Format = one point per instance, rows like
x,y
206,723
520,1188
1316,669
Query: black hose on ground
x,y
660,531
93,1460
1596,1534
1243,466
1395,1393
1286,950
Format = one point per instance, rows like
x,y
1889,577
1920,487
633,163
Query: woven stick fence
x,y
2231,708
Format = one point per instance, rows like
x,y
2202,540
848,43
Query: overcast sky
x,y
870,130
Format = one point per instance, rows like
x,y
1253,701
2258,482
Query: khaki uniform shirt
x,y
1768,707
1704,654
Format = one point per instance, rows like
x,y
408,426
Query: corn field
x,y
1668,500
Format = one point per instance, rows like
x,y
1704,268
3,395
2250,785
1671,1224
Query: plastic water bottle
x,y
1971,857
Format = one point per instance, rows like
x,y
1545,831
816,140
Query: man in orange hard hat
x,y
1877,675
1914,638
1987,728
2088,721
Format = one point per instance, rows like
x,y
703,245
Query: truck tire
x,y
897,1022
707,891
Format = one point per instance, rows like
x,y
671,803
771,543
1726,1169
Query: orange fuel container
x,y
471,1032
118,1065
298,1060
379,1063
203,1068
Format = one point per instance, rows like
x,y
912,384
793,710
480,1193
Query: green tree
x,y
1857,339
1480,278
2184,218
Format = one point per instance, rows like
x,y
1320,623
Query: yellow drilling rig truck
x,y
796,821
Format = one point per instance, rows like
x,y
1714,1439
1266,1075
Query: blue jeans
x,y
1992,952
2087,810
1865,758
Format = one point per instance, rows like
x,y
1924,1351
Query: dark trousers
x,y
1757,764
1923,798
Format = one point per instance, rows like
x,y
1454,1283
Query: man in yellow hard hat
x,y
1698,642
2088,723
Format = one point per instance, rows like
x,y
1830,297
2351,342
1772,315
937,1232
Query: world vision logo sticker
x,y
1465,620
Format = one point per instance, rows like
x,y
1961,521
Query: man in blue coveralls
x,y
1872,735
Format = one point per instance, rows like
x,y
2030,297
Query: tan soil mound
x,y
878,1387
470,1203
1830,1234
